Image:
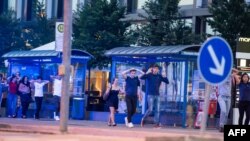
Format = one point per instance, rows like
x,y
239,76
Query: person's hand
x,y
149,70
139,96
109,86
164,74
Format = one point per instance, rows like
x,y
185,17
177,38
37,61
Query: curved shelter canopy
x,y
155,53
45,56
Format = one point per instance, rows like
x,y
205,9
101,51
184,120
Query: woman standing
x,y
12,97
244,102
24,89
112,100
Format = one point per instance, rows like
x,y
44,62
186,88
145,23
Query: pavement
x,y
39,130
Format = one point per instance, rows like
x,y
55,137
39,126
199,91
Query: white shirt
x,y
57,87
225,88
39,89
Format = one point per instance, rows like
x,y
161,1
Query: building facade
x,y
195,12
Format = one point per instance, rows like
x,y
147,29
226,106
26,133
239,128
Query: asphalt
x,y
94,130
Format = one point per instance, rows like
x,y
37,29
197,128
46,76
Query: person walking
x,y
132,91
38,85
24,89
12,97
224,98
112,100
244,101
154,80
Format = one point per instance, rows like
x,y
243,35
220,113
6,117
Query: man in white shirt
x,y
38,85
57,92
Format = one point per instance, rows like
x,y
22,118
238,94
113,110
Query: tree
x,y
164,25
41,30
97,28
231,19
10,34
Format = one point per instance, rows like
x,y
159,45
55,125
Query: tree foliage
x,y
41,30
231,18
10,33
97,28
164,25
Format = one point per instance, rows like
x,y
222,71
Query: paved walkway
x,y
94,130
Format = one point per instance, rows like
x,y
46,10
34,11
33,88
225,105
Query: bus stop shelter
x,y
45,63
185,55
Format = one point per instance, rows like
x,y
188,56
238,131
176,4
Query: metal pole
x,y
66,63
205,109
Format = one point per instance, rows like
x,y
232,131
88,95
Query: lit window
x,y
141,3
186,2
12,5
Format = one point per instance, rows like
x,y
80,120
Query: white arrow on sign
x,y
219,66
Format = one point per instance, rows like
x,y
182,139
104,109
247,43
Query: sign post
x,y
215,62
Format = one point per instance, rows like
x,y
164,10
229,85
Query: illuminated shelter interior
x,y
45,63
182,54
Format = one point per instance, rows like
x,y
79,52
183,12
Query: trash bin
x,y
78,108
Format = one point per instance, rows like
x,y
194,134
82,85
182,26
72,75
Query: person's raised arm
x,y
124,73
237,78
108,89
145,75
45,81
164,79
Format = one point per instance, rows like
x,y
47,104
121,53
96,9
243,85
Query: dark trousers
x,y
244,107
25,101
57,101
131,102
39,101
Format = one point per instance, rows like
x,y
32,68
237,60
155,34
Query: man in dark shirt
x,y
132,92
154,80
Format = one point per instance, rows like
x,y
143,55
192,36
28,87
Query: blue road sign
x,y
215,60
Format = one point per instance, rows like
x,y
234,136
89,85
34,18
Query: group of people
x,y
227,90
24,88
133,94
154,78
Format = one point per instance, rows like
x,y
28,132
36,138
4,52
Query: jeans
x,y
12,103
131,102
153,101
244,107
225,105
39,101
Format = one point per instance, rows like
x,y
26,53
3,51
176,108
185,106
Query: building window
x,y
60,9
3,6
186,2
29,10
188,22
74,5
209,29
132,6
141,3
12,5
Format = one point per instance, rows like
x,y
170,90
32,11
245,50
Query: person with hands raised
x,y
132,93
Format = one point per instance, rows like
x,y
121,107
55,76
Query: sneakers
x,y
126,121
157,126
56,118
221,129
130,125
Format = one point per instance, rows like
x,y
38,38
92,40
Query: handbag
x,y
106,95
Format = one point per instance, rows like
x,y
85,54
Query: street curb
x,y
183,138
